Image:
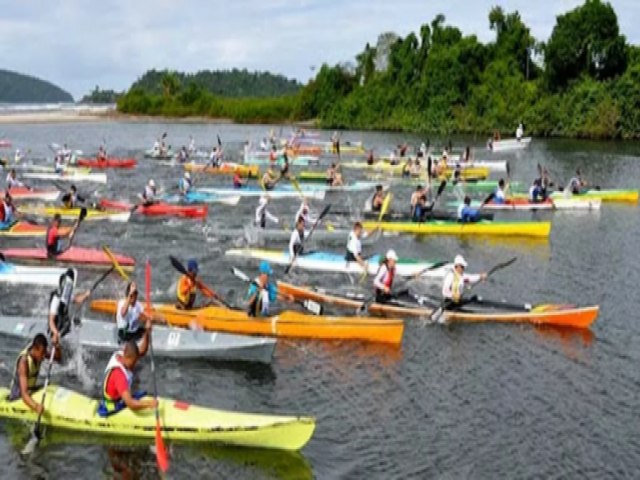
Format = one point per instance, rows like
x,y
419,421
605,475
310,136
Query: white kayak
x,y
73,176
22,275
509,144
493,166
522,204
262,236
332,262
278,192
167,341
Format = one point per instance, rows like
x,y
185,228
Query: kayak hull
x,y
483,227
546,314
27,230
24,275
622,196
330,262
22,193
246,171
108,163
160,209
286,324
180,421
201,196
69,177
73,213
167,342
509,144
522,204
279,192
82,257
256,235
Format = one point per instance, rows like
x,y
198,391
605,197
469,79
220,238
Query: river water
x,y
457,401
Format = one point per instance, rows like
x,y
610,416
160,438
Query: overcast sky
x,y
78,44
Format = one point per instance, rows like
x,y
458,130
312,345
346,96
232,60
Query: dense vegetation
x,y
101,96
583,82
18,88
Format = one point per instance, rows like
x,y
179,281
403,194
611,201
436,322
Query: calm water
x,y
459,401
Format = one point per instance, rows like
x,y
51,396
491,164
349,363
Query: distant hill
x,y
18,88
225,83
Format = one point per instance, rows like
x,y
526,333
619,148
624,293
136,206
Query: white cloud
x,y
78,44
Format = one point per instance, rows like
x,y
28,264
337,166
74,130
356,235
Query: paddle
x,y
36,434
209,292
364,308
81,217
116,264
161,452
437,313
309,305
76,319
313,228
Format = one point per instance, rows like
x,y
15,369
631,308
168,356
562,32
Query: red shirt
x,y
52,236
116,384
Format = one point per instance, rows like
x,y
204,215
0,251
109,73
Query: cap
x,y
152,183
192,265
391,255
266,268
459,260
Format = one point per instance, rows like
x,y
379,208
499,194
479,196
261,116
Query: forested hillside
x,y
19,88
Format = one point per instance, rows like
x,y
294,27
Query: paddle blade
x,y
31,445
83,214
500,266
219,141
177,264
441,188
385,206
240,274
324,211
115,263
161,452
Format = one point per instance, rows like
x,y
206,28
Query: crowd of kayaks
x,y
230,334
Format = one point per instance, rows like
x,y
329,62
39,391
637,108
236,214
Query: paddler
x,y
500,193
187,287
59,165
467,214
27,370
12,180
455,281
407,168
384,279
7,210
330,175
536,192
71,198
370,159
273,156
519,132
54,237
237,179
378,199
262,293
577,184
183,155
262,214
416,168
296,245
335,143
19,156
129,312
149,194
269,180
354,246
156,148
118,380
102,154
59,305
418,204
185,185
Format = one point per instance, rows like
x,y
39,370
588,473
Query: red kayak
x,y
108,163
5,144
44,194
82,257
159,209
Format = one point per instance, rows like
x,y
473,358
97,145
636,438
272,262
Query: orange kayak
x,y
25,230
286,324
249,171
544,314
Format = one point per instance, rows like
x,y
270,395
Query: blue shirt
x,y
272,288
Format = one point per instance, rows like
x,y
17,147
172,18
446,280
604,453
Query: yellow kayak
x,y
73,213
250,171
483,227
475,172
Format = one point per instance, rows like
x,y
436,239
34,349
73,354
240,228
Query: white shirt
x,y
13,182
450,286
308,219
354,245
380,281
156,146
148,193
500,194
54,305
519,132
131,320
295,240
262,210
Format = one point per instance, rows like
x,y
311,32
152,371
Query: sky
x,y
78,44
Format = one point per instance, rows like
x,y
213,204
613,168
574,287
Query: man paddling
x,y
118,380
129,312
263,293
577,184
537,193
500,193
12,180
262,214
59,305
27,370
149,194
455,281
378,199
384,279
102,154
269,180
185,185
71,198
354,246
304,212
466,213
296,242
7,210
54,237
188,286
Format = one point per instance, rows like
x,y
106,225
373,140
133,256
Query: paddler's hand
x,y
148,325
387,290
483,276
55,337
39,408
153,403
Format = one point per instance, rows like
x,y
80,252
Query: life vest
x,y
388,277
186,291
457,287
7,213
109,406
33,370
260,303
53,241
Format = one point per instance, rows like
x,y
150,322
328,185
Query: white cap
x,y
187,175
391,255
459,260
152,183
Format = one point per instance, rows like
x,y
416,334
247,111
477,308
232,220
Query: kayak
x,y
280,191
629,196
5,144
23,193
224,169
159,209
168,155
349,187
19,229
80,256
263,158
19,274
181,421
491,165
286,324
476,172
167,341
509,144
433,215
30,168
332,262
73,213
524,204
108,163
483,227
73,176
543,314
256,235
477,186
201,196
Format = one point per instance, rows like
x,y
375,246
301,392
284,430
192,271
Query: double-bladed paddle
x,y
209,292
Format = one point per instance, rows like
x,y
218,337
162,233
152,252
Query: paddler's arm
x,y
143,346
81,297
24,388
133,404
472,279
